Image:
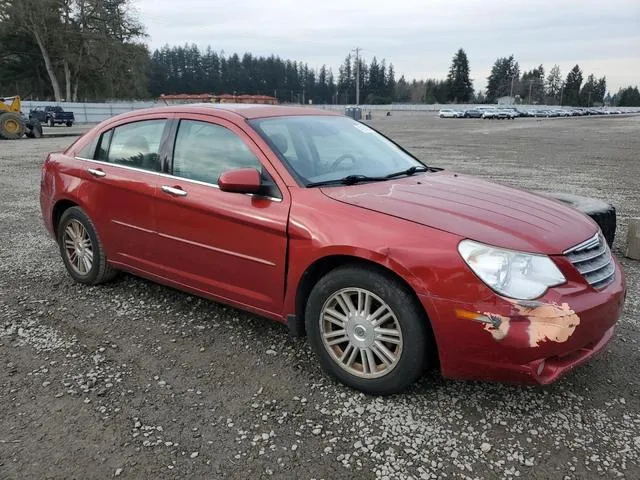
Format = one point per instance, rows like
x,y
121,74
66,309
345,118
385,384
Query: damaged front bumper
x,y
533,342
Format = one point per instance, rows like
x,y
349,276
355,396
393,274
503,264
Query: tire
x,y
603,213
12,126
99,271
410,356
35,129
52,123
69,124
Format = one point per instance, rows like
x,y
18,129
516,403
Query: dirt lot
x,y
135,380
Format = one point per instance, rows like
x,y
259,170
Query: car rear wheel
x,y
81,249
367,330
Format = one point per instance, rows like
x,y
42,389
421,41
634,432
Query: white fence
x,y
91,112
97,112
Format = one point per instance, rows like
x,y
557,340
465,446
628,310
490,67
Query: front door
x,y
230,245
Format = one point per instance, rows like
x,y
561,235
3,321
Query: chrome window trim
x,y
166,175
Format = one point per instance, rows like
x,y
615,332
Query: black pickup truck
x,y
52,116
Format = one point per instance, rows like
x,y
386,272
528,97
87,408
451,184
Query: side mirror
x,y
241,180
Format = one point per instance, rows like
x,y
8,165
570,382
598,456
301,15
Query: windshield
x,y
324,149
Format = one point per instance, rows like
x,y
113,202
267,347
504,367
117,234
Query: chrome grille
x,y
594,262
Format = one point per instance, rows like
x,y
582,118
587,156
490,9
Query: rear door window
x,y
135,144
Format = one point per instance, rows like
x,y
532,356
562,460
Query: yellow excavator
x,y
13,124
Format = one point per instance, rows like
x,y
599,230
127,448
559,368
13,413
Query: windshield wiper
x,y
409,171
348,180
353,179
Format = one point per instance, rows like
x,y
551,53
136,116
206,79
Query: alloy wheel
x,y
78,247
361,332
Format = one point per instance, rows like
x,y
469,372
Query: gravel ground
x,y
135,380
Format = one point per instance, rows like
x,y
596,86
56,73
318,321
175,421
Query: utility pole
x,y
589,102
530,85
357,50
511,92
561,92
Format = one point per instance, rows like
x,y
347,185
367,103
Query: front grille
x,y
594,261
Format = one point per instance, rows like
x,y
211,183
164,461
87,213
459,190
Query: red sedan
x,y
320,222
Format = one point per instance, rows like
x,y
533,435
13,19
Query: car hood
x,y
475,209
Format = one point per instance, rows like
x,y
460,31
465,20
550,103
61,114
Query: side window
x,y
136,144
103,146
89,150
203,151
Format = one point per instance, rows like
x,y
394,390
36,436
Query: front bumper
x,y
537,342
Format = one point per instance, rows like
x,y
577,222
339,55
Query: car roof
x,y
229,110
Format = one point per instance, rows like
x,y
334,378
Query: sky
x,y
419,37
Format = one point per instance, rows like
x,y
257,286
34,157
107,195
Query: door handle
x,y
174,191
96,173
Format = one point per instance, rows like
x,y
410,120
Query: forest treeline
x,y
94,50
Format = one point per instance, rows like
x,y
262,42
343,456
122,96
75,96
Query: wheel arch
x,y
322,266
58,210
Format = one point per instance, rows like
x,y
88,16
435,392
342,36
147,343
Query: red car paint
x,y
409,225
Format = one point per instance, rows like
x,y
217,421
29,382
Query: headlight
x,y
523,276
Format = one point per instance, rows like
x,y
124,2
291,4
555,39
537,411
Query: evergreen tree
x,y
629,97
554,84
503,79
459,86
572,85
436,91
600,90
532,86
587,93
390,83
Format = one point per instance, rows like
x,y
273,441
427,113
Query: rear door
x,y
120,189
229,245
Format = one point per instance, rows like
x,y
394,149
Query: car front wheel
x,y
368,330
81,249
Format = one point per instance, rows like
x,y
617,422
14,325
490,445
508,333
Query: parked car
x,y
473,113
318,221
512,111
497,114
447,113
507,114
526,113
52,116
